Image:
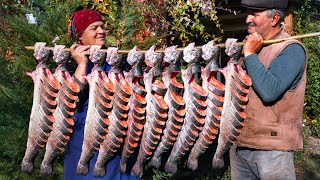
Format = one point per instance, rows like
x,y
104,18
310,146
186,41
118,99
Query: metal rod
x,y
222,45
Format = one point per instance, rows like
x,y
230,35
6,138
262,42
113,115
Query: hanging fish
x,y
45,91
118,116
99,108
156,110
210,84
237,84
66,105
137,104
148,108
176,104
195,97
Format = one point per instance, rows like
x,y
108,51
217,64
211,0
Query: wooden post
x,y
288,20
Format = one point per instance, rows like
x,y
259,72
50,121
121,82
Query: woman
x,y
87,28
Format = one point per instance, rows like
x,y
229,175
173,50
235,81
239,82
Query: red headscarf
x,y
81,20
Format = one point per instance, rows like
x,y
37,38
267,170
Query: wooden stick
x,y
222,45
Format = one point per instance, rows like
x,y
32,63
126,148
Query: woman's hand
x,y
253,43
79,54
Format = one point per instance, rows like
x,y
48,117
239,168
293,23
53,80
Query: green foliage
x,y
158,175
179,22
123,20
185,20
16,88
304,25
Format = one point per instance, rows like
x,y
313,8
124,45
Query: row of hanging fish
x,y
149,110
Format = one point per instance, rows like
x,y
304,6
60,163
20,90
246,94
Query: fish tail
x,y
46,165
82,168
27,162
137,169
46,168
123,165
171,166
155,161
217,162
83,164
193,159
104,156
99,170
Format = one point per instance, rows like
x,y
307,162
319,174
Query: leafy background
x,y
125,21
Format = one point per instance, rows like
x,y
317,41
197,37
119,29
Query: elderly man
x,y
273,127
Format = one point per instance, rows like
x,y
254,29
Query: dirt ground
x,y
308,167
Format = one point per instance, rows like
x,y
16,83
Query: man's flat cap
x,y
265,4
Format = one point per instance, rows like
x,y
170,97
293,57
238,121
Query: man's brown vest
x,y
278,126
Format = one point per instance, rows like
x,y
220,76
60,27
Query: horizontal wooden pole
x,y
221,45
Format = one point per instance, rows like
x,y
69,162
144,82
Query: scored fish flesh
x,y
99,108
176,104
195,97
118,116
137,104
156,110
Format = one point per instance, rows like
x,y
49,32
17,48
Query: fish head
x,y
113,58
152,58
210,51
171,54
41,53
134,56
96,56
191,54
232,50
59,55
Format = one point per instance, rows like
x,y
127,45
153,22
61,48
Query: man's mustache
x,y
251,24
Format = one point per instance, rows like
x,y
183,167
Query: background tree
x,y
177,22
303,24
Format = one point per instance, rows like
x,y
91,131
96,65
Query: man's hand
x,y
253,43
